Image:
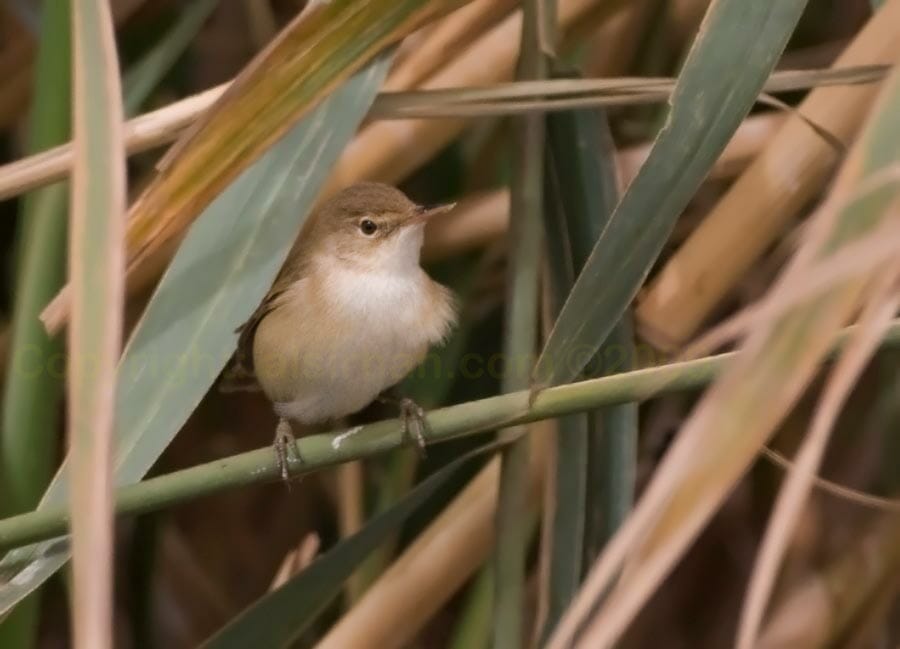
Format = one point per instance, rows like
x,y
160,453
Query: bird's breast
x,y
383,301
345,336
390,319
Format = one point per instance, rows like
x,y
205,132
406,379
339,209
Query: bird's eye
x,y
368,227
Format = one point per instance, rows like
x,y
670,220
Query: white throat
x,y
400,252
388,282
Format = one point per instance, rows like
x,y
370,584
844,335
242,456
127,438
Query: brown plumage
x,y
347,206
350,313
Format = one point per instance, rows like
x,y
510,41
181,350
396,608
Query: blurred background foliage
x,y
185,572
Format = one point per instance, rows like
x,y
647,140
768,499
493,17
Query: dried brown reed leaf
x,y
562,94
779,183
853,496
855,259
141,133
166,124
874,320
728,427
96,265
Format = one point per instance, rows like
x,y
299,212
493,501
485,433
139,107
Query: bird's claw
x,y
285,446
414,424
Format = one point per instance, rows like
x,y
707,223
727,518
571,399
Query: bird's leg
x,y
414,423
285,446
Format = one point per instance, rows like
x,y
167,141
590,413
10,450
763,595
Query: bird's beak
x,y
424,213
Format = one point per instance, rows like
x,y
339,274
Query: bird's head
x,y
371,225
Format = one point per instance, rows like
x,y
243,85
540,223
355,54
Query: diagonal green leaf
x,y
220,273
735,50
776,362
281,616
318,50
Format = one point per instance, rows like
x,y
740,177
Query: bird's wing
x,y
239,374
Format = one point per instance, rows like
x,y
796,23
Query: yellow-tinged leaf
x,y
318,50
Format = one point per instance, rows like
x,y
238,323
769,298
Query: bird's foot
x,y
414,424
413,417
285,447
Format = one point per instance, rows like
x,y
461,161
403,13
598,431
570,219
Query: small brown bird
x,y
350,314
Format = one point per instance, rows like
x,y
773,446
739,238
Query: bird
x,y
349,315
